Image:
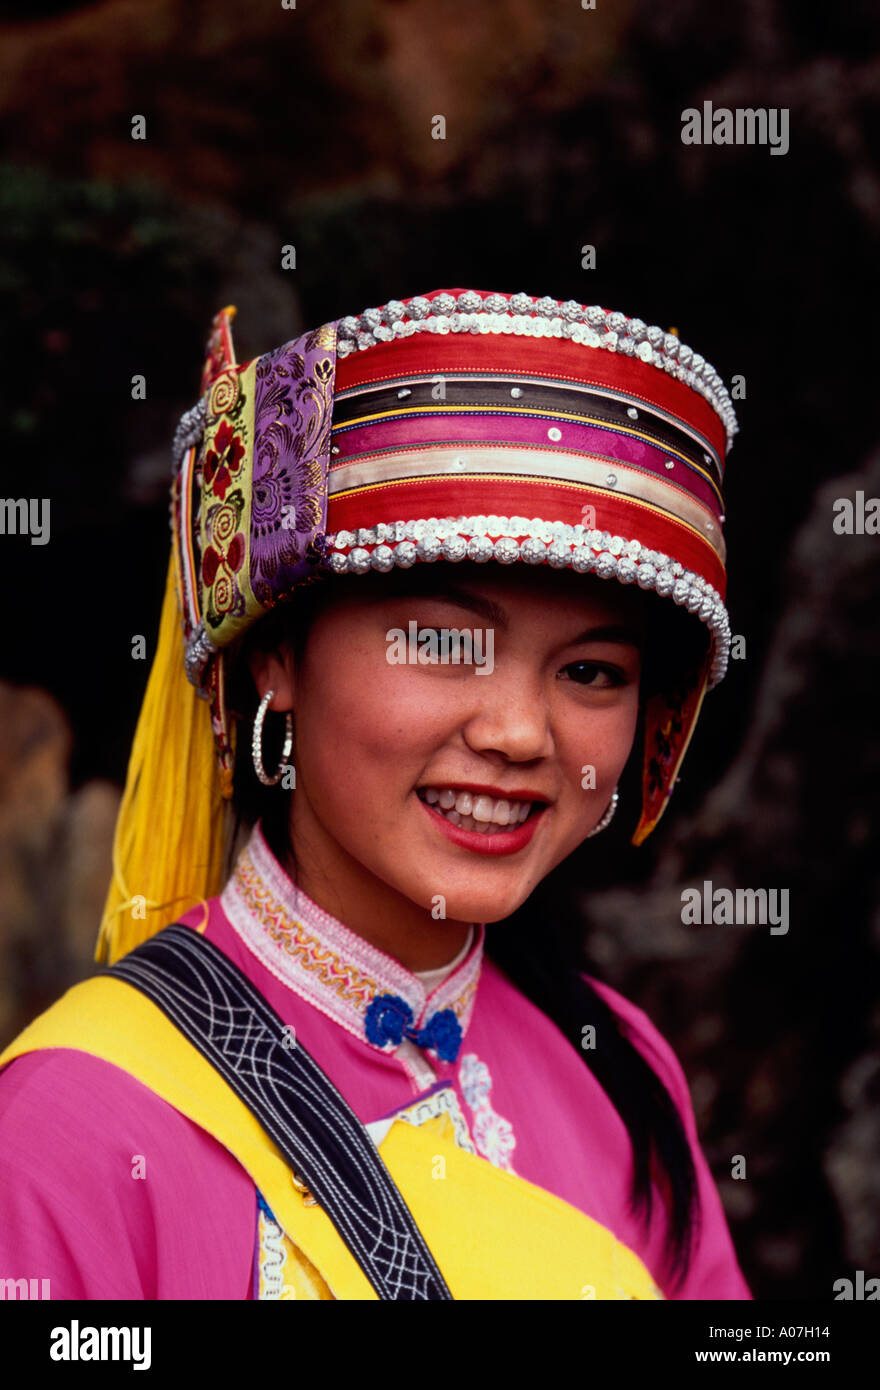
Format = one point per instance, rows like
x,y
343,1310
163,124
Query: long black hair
x,y
546,966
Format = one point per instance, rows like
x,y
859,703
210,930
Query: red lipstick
x,y
502,842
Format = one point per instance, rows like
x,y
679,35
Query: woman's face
x,y
385,742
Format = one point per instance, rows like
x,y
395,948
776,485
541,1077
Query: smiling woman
x,y
361,1070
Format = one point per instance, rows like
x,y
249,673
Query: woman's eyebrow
x,y
610,632
493,613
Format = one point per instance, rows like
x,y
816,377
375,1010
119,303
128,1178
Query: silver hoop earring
x,y
257,743
608,816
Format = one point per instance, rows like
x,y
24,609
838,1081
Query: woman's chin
x,y
476,906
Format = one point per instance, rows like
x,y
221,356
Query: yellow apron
x,y
492,1234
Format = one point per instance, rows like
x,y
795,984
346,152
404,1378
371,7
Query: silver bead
x,y
382,558
626,570
670,464
617,321
547,307
394,311
455,548
506,550
405,554
611,479
403,393
654,336
582,559
646,576
344,539
429,548
370,319
637,329
520,304
516,392
554,434
338,563
419,308
442,304
595,316
469,302
632,412
559,554
605,566
572,311
481,549
359,560
349,327
533,551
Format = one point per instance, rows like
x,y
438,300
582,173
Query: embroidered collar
x,y
322,960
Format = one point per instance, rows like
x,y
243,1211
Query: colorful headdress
x,y
455,425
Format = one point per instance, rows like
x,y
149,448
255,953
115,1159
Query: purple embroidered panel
x,y
293,410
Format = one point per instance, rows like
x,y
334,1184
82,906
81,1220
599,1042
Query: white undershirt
x,y
432,978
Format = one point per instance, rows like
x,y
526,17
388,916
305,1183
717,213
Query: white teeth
x,y
486,814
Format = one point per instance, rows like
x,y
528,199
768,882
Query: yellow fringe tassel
x,y
170,837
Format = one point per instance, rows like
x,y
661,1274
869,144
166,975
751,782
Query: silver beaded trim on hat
x,y
519,314
199,650
189,431
508,539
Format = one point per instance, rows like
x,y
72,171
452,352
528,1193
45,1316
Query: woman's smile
x,y
483,819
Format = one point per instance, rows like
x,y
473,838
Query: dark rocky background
x,y
313,127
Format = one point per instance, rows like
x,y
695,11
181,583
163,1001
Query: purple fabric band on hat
x,y
292,416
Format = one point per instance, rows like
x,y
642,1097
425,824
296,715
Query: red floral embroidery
x,y
223,459
235,553
210,562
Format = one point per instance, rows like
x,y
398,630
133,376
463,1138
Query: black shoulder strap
x,y
217,1008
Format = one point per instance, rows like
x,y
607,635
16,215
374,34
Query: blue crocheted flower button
x,y
387,1018
443,1033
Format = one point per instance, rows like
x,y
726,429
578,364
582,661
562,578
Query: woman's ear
x,y
274,671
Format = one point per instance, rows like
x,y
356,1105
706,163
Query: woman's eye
x,y
593,673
